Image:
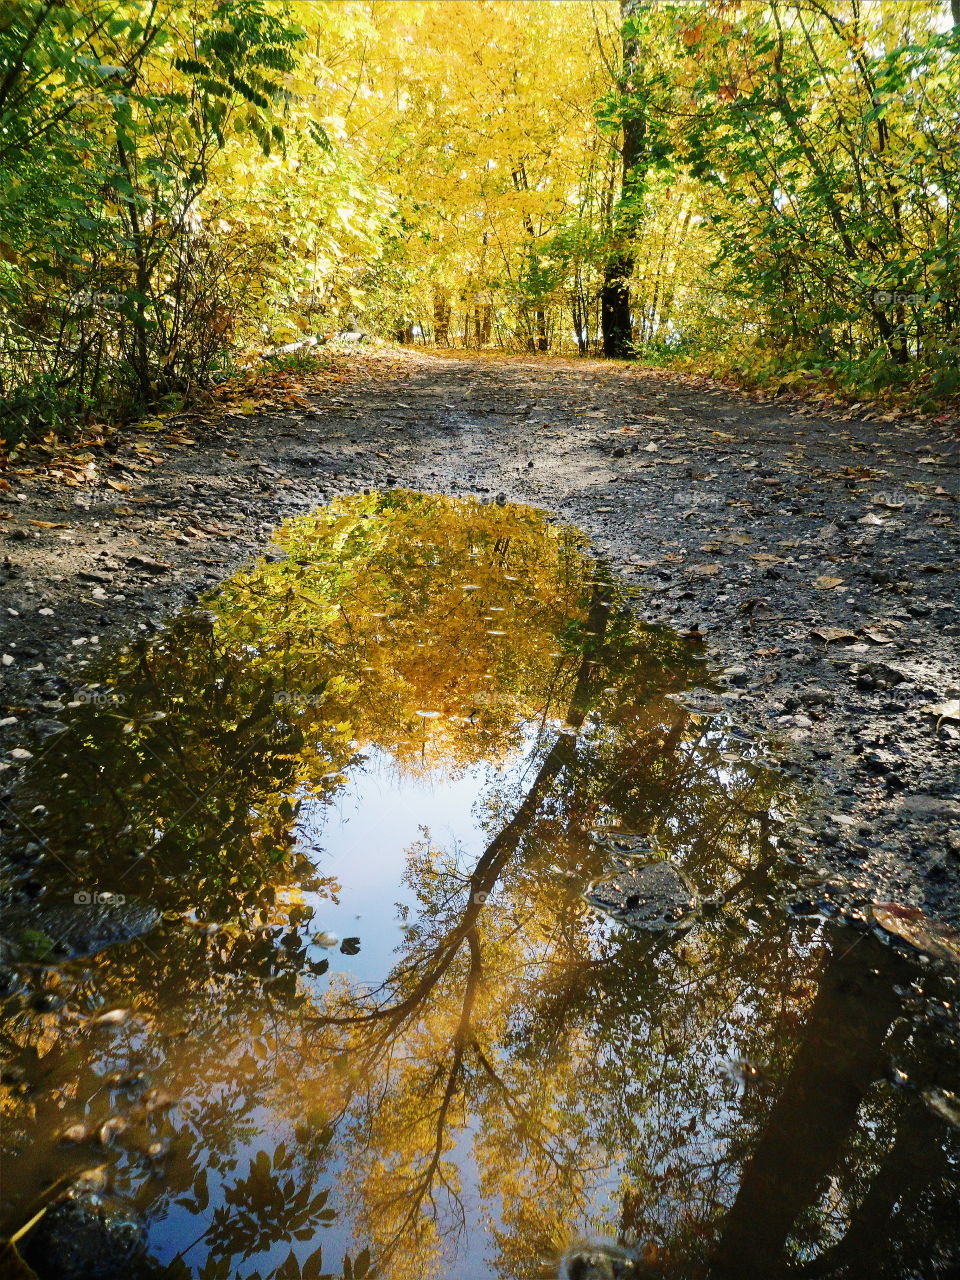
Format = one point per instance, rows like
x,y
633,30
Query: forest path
x,y
760,524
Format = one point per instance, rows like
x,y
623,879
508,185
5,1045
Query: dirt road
x,y
818,556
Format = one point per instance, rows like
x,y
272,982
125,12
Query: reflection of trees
x,y
575,1065
509,984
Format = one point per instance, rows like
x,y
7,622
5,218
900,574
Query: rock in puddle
x,y
653,896
586,1260
52,933
86,1236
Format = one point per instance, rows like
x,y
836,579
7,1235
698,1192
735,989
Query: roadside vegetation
x,y
764,190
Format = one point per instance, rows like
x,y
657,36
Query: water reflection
x,y
435,715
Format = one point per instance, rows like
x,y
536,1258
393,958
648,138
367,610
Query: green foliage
x,y
823,141
113,288
774,187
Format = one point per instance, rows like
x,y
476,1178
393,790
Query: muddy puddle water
x,y
410,911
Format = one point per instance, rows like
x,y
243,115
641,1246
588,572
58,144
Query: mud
x,y
816,555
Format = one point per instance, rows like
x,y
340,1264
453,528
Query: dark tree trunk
x,y
441,318
482,323
616,327
615,323
839,1058
486,323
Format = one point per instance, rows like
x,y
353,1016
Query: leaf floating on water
x,y
913,926
158,1099
109,1130
75,1133
944,1104
326,939
112,1018
428,715
350,946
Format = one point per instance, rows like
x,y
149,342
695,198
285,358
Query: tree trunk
x,y
616,326
839,1058
441,318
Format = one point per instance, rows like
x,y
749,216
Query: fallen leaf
x,y
112,1018
824,583
144,562
833,635
49,524
949,710
109,1129
877,637
918,930
944,1104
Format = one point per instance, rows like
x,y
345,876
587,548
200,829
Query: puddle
x,y
451,944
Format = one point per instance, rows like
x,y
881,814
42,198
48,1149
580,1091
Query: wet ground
x,y
817,553
409,908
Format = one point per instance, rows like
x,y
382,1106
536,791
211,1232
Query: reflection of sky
x,y
363,840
